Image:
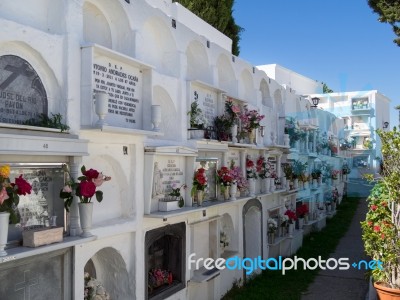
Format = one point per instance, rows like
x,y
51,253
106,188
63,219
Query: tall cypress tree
x,y
219,14
389,12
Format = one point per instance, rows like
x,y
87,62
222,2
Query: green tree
x,y
326,89
219,14
389,12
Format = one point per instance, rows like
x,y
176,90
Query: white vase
x,y
265,185
226,193
290,229
301,223
85,216
4,220
200,197
233,191
296,184
286,140
234,133
101,107
252,187
272,185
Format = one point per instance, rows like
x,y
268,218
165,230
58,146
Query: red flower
x,y
382,236
377,228
370,223
87,188
374,207
23,186
91,174
249,163
201,170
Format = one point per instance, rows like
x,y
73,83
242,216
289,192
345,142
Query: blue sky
x,y
338,42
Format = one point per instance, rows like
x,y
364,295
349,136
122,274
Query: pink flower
x,y
3,195
67,189
374,207
377,228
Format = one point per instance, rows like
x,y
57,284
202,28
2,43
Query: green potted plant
x,y
381,228
198,122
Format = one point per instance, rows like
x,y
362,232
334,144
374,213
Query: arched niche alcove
x,y
106,23
158,47
226,75
252,230
197,63
170,121
95,26
266,94
247,87
108,267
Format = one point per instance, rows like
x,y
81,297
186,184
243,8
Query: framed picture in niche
x,y
43,206
210,165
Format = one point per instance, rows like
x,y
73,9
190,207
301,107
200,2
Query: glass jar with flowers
x,y
199,185
250,122
302,214
292,218
263,168
198,122
9,200
84,189
240,182
225,180
251,175
233,112
272,227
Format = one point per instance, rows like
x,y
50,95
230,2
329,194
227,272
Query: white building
x,y
56,57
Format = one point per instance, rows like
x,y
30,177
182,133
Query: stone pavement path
x,y
344,284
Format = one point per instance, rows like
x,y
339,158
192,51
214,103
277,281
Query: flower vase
x,y
200,197
4,220
226,193
252,187
295,184
233,191
85,216
286,140
252,136
234,133
290,229
265,185
301,223
272,185
271,237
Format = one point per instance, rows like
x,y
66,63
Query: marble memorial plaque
x,y
39,277
207,101
123,84
22,94
172,170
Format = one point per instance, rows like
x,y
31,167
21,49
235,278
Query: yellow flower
x,y
5,171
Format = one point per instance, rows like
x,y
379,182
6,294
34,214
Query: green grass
x,y
274,285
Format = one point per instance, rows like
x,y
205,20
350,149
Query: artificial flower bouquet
x,y
241,181
272,225
84,188
225,177
159,277
10,192
291,216
263,168
302,211
200,181
250,169
335,174
175,194
250,119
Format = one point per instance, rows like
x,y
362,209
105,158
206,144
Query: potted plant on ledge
x,y
381,228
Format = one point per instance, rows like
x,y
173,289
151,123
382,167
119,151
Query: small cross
x,y
24,69
26,284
